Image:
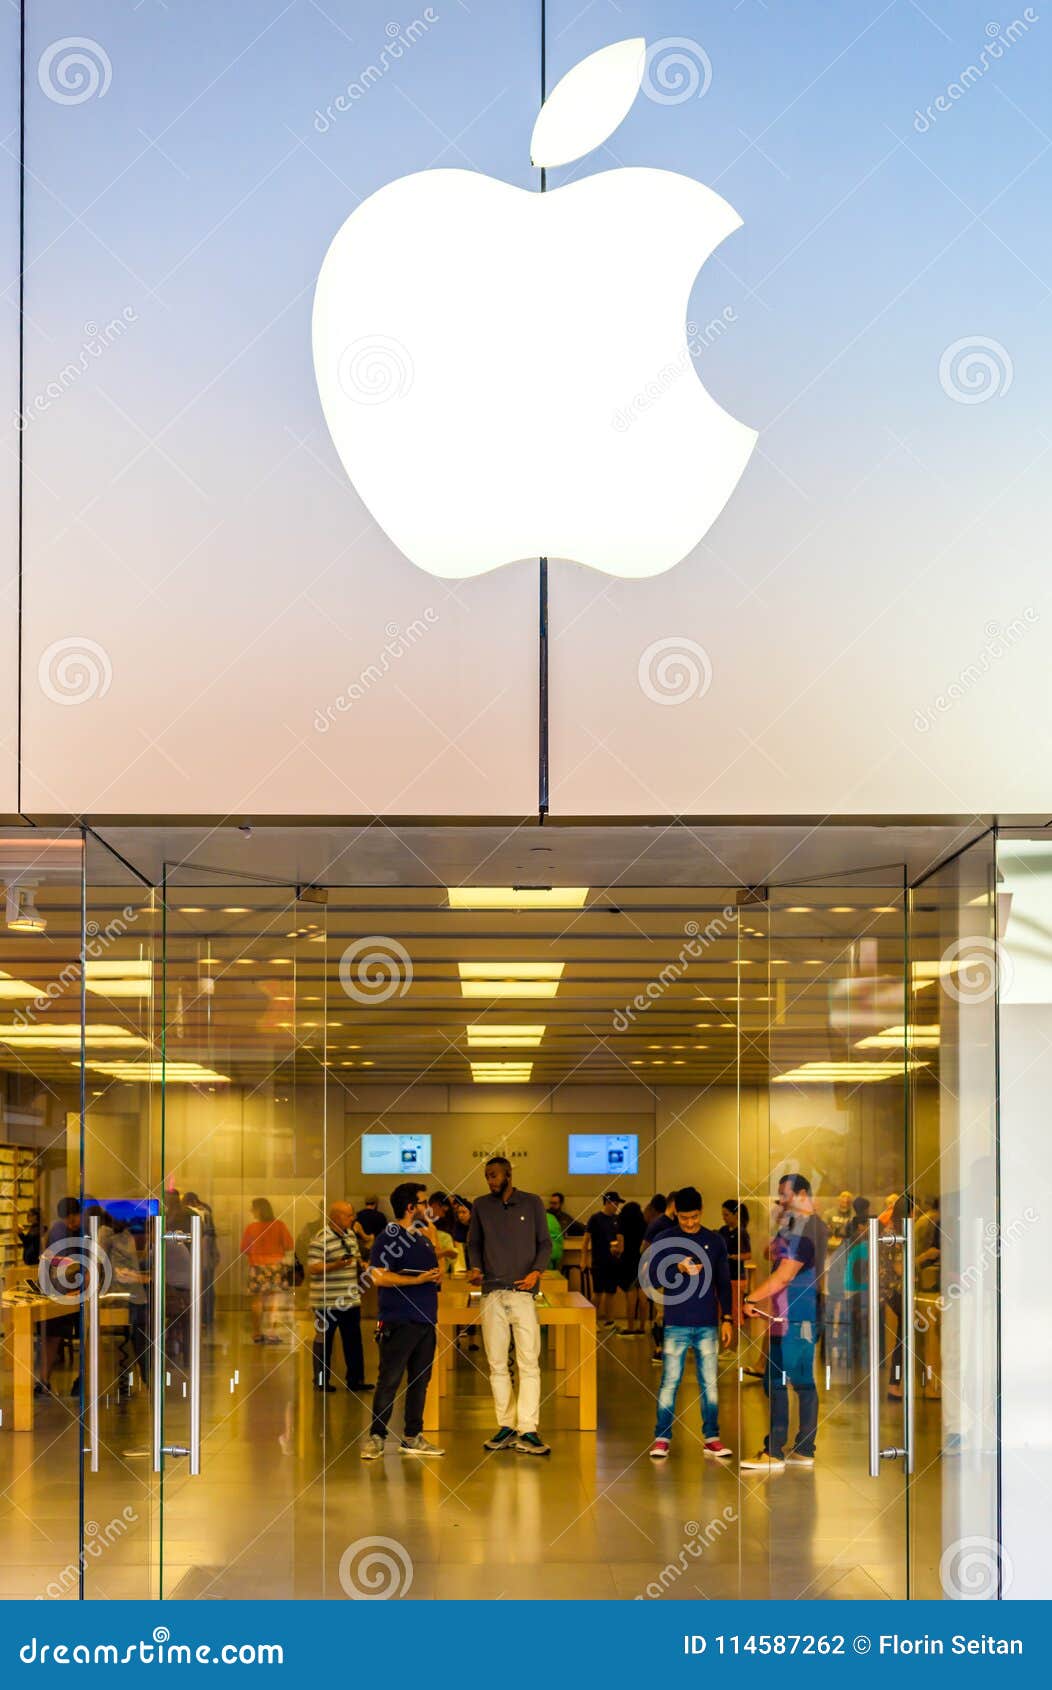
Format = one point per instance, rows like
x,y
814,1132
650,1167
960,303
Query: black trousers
x,y
406,1347
349,1324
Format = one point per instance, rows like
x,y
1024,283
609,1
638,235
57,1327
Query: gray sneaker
x,y
372,1449
420,1446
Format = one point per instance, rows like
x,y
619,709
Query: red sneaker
x,y
717,1449
659,1449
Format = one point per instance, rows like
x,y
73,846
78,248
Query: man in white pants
x,y
508,1249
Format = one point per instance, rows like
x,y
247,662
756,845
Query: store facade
x,y
235,710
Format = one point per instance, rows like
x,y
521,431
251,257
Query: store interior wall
x,y
298,1146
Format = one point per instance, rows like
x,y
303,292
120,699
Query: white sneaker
x,y
419,1446
762,1463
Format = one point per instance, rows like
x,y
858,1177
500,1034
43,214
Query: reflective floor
x,y
283,1497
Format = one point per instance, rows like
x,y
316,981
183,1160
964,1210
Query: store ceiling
x,y
263,988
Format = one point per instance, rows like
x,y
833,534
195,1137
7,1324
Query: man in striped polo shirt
x,y
335,1298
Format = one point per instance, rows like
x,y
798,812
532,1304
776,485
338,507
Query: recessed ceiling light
x,y
855,1073
513,1035
511,970
842,909
191,909
236,909
799,909
516,897
896,1038
13,989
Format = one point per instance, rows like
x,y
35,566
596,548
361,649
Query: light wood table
x,y
572,1319
24,1317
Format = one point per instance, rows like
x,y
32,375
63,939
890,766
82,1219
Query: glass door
x,y
41,1256
825,1392
957,968
243,1432
119,1193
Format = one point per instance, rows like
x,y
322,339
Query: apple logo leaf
x,y
588,103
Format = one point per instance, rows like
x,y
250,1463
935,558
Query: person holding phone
x,y
404,1268
792,1292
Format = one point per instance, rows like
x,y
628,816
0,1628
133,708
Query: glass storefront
x,y
191,1056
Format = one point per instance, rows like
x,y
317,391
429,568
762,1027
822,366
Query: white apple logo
x,y
475,344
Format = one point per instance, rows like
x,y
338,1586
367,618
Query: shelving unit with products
x,y
18,1194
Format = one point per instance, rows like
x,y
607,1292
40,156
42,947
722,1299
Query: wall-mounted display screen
x,y
604,1153
396,1153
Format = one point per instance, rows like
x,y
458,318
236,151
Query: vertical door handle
x,y
195,1344
93,1268
888,1240
908,1338
157,1335
194,1239
873,1341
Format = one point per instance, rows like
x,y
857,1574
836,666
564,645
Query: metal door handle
x,y
157,1336
91,1345
194,1238
907,1337
873,1340
195,1345
876,1239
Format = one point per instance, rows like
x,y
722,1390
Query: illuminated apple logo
x,y
481,352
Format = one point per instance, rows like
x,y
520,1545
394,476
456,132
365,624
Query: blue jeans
x,y
791,1361
705,1342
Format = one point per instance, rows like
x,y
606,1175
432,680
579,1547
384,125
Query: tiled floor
x,y
283,1497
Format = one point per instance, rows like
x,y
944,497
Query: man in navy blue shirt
x,y
404,1267
658,1221
792,1292
688,1265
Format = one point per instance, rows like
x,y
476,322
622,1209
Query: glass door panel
x,y
955,972
121,1174
244,1154
823,1013
41,917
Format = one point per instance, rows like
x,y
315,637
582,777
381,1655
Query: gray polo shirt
x,y
508,1240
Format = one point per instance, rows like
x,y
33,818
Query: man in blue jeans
x,y
792,1292
688,1265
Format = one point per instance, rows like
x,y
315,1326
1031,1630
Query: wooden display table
x,y
572,1318
25,1316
